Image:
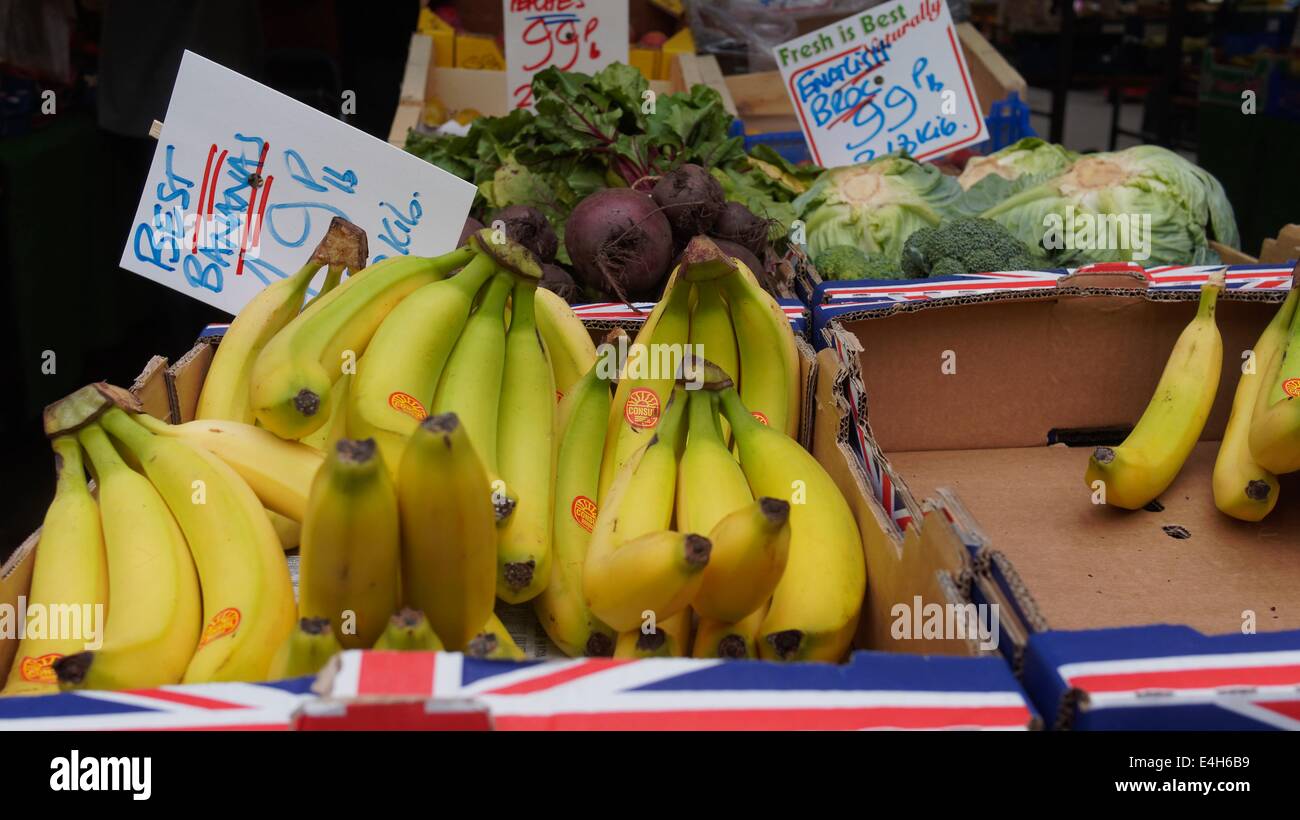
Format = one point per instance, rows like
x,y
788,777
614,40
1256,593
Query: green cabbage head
x,y
990,179
876,205
1144,204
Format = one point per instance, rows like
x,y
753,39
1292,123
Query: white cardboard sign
x,y
245,180
572,35
891,78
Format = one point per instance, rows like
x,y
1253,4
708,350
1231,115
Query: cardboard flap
x,y
1126,277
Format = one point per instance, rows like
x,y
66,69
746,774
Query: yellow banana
x,y
248,607
525,452
568,344
70,577
713,337
769,360
308,648
719,639
351,548
646,379
280,472
409,631
398,375
710,483
336,426
751,547
1242,488
561,607
816,604
493,642
154,623
225,387
1137,471
470,385
449,530
291,378
286,529
670,638
1275,424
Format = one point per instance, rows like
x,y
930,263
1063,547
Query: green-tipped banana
x,y
291,379
348,571
399,373
1136,472
449,530
562,608
525,453
568,344
336,426
1275,424
1242,488
409,631
710,483
306,651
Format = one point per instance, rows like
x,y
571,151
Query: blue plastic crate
x,y
1007,123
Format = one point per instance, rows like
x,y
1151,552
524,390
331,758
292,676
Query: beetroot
x,y
619,242
738,224
745,255
472,226
557,280
692,200
527,226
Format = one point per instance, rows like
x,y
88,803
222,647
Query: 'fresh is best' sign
x,y
892,78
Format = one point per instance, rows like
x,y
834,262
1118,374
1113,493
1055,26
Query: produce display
x,y
443,434
1262,439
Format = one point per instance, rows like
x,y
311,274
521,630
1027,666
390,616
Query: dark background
x,y
69,186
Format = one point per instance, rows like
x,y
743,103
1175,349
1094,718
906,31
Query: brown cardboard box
x,y
982,444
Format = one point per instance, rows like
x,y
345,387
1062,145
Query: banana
x,y
409,631
286,529
397,376
713,337
248,607
333,275
769,360
449,530
816,604
525,447
670,638
280,472
291,378
154,623
71,570
568,344
308,648
1275,424
470,385
710,483
640,400
1137,471
561,607
493,642
351,546
336,426
719,639
225,387
751,547
1243,489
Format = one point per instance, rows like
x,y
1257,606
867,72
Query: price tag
x,y
572,35
892,78
245,180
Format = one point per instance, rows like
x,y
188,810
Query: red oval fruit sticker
x,y
642,408
39,669
408,404
1292,388
222,624
760,417
583,510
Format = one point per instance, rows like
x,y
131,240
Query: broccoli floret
x,y
964,245
845,262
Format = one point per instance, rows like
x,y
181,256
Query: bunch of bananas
x,y
1261,441
436,435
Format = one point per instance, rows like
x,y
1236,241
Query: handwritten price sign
x,y
572,35
892,78
245,181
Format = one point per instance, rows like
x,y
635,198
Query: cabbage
x,y
991,179
876,205
1168,207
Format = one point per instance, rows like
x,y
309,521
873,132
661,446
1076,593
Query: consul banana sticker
x,y
642,408
222,624
408,404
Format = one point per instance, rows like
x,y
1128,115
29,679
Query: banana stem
x,y
125,429
1210,295
103,456
701,407
68,464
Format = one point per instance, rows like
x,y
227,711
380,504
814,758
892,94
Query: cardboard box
x,y
983,441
